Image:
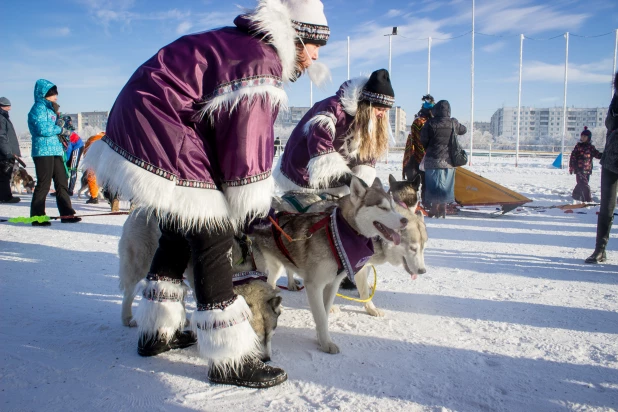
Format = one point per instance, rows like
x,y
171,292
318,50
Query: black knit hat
x,y
587,132
378,90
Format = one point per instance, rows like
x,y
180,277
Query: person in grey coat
x,y
609,180
9,152
439,170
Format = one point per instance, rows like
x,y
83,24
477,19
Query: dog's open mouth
x,y
407,268
388,233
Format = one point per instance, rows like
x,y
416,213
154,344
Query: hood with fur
x,y
349,94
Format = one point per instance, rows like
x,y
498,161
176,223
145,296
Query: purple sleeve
x,y
245,140
320,136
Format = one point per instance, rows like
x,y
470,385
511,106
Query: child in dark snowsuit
x,y
581,164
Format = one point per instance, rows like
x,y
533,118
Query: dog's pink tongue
x,y
396,237
414,276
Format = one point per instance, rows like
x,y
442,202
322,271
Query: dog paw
x,y
375,312
130,322
334,309
294,286
329,347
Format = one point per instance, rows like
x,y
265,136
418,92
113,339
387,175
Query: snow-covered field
x,y
507,318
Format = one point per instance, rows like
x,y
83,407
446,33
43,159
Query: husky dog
x,y
368,211
409,253
137,246
21,180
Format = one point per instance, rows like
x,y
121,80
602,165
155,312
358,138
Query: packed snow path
x,y
507,318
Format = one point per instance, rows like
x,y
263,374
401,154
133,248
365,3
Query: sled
x,y
474,190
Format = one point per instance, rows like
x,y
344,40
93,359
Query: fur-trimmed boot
x,y
227,340
161,316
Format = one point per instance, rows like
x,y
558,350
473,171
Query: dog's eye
x,y
413,249
387,209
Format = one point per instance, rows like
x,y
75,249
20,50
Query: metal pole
x,y
472,92
615,55
521,56
348,58
311,94
564,107
429,66
390,53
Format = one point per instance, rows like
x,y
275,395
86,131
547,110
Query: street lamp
x,y
390,48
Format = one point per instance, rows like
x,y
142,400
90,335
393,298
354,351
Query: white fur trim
x,y
273,19
226,347
286,185
226,103
193,207
250,200
352,90
322,169
324,120
162,317
365,172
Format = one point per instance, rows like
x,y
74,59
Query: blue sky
x,y
90,48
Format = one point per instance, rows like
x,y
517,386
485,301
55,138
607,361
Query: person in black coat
x,y
609,180
9,152
439,169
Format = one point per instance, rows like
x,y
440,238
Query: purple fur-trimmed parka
x,y
321,147
191,134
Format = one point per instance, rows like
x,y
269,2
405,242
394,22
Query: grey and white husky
x,y
137,246
368,211
409,253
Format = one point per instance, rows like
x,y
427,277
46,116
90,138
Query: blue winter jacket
x,y
42,123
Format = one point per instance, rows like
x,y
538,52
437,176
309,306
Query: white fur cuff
x,y
248,201
322,169
224,336
365,172
161,308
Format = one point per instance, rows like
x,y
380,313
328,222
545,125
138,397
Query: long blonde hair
x,y
372,144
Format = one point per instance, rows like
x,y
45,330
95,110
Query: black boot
x,y
253,373
93,201
604,225
598,256
151,346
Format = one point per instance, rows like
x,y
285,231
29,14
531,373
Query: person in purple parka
x,y
191,138
340,136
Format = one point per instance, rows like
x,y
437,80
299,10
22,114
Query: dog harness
x,y
350,249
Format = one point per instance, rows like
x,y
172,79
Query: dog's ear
x,y
357,191
275,303
392,181
377,184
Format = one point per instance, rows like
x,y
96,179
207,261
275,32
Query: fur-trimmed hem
x,y
351,92
158,314
272,19
285,184
277,98
187,206
325,120
226,347
365,172
322,169
250,200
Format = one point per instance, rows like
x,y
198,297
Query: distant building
x,y
536,123
397,118
482,126
96,119
291,117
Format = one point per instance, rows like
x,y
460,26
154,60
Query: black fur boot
x,y
253,373
604,225
598,256
152,346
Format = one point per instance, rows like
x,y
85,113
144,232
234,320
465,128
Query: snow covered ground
x,y
507,318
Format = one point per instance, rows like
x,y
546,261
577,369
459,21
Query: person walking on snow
x,y
414,150
73,153
609,180
580,163
9,152
48,154
339,137
191,137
